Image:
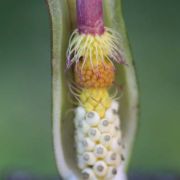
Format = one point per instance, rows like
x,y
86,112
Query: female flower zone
x,y
93,49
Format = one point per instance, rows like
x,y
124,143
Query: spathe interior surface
x,y
63,21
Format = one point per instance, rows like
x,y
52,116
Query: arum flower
x,y
89,143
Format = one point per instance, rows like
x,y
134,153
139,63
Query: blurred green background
x,y
25,101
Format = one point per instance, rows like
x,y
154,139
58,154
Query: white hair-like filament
x,y
95,47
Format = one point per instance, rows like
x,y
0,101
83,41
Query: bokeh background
x,y
25,82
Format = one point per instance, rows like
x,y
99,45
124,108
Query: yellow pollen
x,y
96,100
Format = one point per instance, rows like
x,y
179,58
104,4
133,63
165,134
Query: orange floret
x,y
98,75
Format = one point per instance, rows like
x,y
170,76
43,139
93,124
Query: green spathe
x,y
63,21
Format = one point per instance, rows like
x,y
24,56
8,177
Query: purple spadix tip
x,y
90,16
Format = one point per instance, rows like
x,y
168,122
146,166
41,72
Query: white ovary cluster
x,y
98,143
